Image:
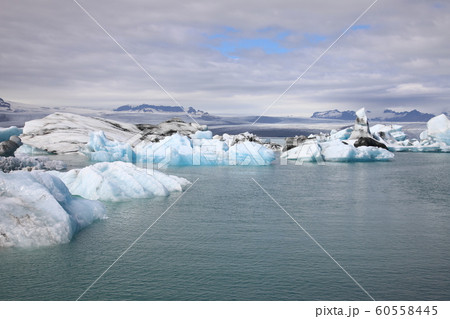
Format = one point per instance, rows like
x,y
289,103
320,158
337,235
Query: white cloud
x,y
52,53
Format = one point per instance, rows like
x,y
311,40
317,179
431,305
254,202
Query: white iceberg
x,y
6,133
435,139
337,151
361,128
438,128
36,209
389,133
343,134
308,151
119,181
67,133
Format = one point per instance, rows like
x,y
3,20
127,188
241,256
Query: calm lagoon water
x,y
387,224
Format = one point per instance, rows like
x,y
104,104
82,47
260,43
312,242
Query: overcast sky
x,y
228,56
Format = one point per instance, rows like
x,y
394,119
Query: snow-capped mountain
x,y
335,115
387,115
4,105
158,109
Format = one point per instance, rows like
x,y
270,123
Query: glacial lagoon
x,y
386,223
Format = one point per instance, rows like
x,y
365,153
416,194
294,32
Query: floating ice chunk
x,y
179,150
336,151
209,152
101,149
202,135
174,150
308,151
439,128
249,153
389,133
6,133
371,153
119,181
342,134
11,163
36,209
30,150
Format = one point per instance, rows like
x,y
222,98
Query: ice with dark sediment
x,y
37,209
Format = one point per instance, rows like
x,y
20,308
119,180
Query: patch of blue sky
x,y
230,44
361,27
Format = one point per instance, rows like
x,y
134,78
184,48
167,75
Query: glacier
x,y
119,181
37,209
201,148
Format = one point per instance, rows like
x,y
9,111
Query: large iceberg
x,y
67,133
438,129
178,150
119,181
37,209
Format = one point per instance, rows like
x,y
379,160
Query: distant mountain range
x,y
159,109
5,105
387,115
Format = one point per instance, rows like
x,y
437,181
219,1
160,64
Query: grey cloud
x,y
52,53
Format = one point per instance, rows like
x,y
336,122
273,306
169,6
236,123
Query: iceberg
x,y
37,209
8,148
337,151
389,133
438,128
435,139
342,134
11,163
63,133
361,128
66,133
180,150
6,133
355,144
29,150
308,151
118,181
